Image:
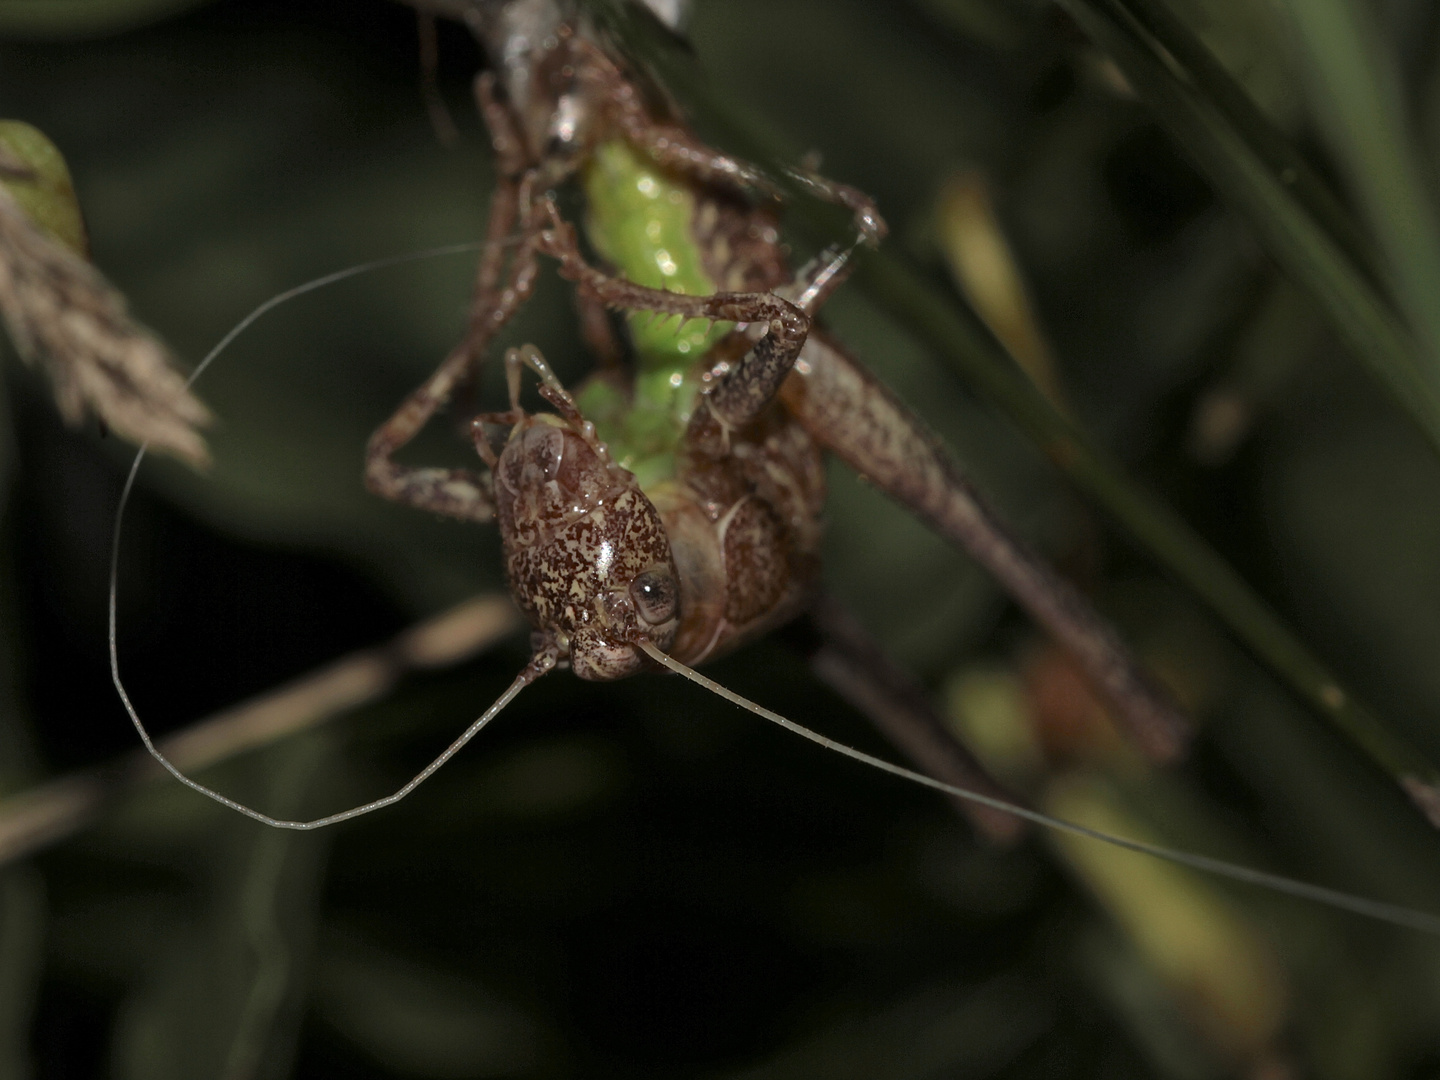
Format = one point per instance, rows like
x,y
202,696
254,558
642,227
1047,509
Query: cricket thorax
x,y
585,551
745,532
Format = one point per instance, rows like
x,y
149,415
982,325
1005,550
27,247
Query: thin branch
x,y
55,810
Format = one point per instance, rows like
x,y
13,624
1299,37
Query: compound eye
x,y
654,595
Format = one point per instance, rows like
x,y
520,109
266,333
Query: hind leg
x,y
462,493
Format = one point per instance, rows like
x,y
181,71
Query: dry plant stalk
x,y
50,812
63,314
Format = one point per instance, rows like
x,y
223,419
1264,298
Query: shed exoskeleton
x,y
732,394
670,509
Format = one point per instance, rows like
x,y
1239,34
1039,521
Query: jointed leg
x,y
597,333
458,493
673,147
857,419
461,493
744,391
551,389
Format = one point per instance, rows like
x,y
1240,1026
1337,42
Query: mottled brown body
x,y
745,532
724,546
585,551
741,517
739,537
721,553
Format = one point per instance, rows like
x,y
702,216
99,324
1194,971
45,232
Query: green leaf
x,y
1356,95
33,170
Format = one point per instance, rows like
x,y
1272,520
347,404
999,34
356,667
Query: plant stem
x,y
52,811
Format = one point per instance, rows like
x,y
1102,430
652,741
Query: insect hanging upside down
x,y
674,506
670,509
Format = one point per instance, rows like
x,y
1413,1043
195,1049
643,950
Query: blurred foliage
x,y
629,880
45,193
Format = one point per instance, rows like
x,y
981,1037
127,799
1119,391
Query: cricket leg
x,y
458,493
737,397
673,147
848,411
853,665
462,493
597,333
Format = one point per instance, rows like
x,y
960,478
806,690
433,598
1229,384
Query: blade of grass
x,y
1356,96
1200,66
959,338
1259,184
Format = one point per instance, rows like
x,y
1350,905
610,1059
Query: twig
x,y
52,811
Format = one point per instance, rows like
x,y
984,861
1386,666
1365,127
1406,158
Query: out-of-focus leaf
x,y
1357,96
1279,337
1248,39
979,256
1148,1006
988,711
1254,166
82,18
1218,87
1228,980
1351,508
22,947
421,1021
33,170
998,25
223,998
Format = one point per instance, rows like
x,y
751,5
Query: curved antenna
x,y
1395,914
538,665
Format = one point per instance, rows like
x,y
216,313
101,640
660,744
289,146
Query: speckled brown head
x,y
585,551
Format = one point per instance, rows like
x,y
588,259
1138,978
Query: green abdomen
x,y
640,220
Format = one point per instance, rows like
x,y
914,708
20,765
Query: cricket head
x,y
586,553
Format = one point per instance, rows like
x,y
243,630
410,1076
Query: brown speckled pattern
x,y
577,532
740,244
864,424
745,529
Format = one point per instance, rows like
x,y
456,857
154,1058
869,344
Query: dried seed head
x,y
63,314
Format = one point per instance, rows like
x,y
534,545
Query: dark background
x,y
632,880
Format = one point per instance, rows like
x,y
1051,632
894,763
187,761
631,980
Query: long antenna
x,y
1395,914
538,665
